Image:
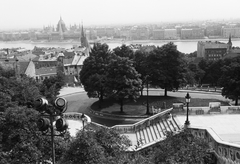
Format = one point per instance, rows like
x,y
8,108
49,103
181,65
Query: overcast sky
x,y
21,14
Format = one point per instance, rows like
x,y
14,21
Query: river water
x,y
183,46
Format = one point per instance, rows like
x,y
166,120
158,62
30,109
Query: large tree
x,y
22,142
93,73
97,146
165,66
123,80
181,148
140,64
230,79
124,51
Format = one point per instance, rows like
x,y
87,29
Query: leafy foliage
x,y
123,80
181,148
93,73
165,67
124,51
230,79
100,146
50,87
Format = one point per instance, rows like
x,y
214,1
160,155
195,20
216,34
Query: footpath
x,y
70,90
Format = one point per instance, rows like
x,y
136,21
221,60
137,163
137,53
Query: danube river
x,y
185,46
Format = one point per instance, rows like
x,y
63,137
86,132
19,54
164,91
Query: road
x,y
80,102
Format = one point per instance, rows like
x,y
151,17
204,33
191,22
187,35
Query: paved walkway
x,y
70,90
226,126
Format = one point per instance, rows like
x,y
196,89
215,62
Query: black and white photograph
x,y
119,82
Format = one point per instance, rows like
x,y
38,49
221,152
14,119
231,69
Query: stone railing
x,y
207,110
132,128
226,152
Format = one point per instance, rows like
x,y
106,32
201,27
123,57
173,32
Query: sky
x,y
21,14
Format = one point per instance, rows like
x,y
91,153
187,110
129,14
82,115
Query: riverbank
x,y
119,41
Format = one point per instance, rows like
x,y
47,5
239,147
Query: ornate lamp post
x,y
49,114
84,118
148,112
187,101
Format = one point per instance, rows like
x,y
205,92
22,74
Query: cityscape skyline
x,y
27,14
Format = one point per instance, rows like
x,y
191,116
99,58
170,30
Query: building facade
x,y
170,34
212,50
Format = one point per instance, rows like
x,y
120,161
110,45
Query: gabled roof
x,y
76,59
23,66
68,54
81,60
46,71
67,61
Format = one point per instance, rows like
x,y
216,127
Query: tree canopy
x,y
230,79
93,73
165,67
100,146
123,80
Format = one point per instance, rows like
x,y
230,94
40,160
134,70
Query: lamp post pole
x,y
147,100
52,139
187,101
147,97
83,119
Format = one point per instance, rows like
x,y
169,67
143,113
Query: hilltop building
x,y
213,50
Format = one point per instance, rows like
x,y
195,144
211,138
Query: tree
x,y
140,64
123,80
19,136
93,73
97,146
124,51
230,79
20,140
25,90
166,68
51,86
181,148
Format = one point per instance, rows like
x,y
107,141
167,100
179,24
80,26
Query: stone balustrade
x,y
226,153
132,128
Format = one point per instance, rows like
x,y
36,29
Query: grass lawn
x,y
139,107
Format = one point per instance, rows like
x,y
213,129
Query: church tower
x,y
84,41
229,43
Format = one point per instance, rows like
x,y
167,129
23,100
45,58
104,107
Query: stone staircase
x,y
155,130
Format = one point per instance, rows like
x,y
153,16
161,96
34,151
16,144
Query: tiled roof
x,y
67,61
49,63
68,54
46,71
26,57
23,66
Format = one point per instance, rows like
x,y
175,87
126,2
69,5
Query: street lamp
x,y
147,97
84,118
49,114
187,101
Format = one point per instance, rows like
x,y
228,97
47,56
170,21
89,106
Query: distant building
x,y
158,34
213,50
213,31
233,31
186,33
194,33
170,34
139,33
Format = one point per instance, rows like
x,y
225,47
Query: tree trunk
x,y
165,92
236,101
121,106
141,91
